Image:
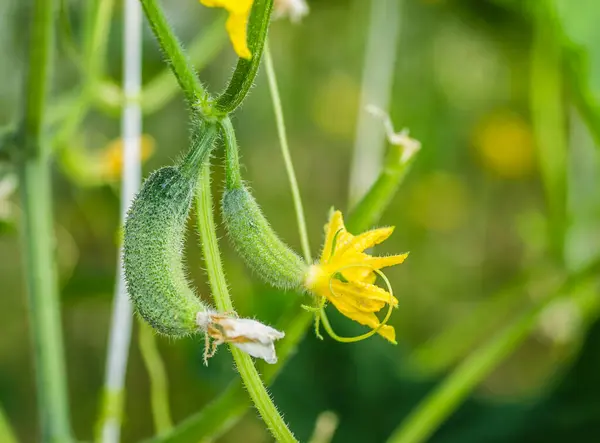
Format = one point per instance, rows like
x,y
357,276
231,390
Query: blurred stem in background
x,y
549,123
159,383
122,314
37,232
285,152
7,434
425,419
98,14
376,89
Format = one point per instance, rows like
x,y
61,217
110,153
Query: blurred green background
x,y
502,200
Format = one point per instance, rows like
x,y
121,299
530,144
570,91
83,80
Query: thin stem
x,y
159,383
246,70
438,405
38,234
180,65
122,318
218,284
285,152
377,81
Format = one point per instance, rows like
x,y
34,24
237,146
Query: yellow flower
x,y
239,11
110,159
345,275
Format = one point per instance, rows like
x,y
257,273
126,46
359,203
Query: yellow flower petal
x,y
384,262
365,318
363,292
232,6
335,225
237,23
367,240
236,28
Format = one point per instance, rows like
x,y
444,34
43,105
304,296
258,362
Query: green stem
x,y
285,152
549,124
438,405
202,51
218,284
233,178
246,70
7,434
369,209
38,235
180,65
159,385
216,418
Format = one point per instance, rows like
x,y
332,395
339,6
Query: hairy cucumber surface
x,y
258,243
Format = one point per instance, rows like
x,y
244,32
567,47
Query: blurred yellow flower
x,y
102,167
505,145
237,22
439,201
345,275
110,160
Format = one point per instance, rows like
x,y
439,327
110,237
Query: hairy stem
x,y
246,70
174,54
218,284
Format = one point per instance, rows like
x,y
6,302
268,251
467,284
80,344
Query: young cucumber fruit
x,y
153,244
258,243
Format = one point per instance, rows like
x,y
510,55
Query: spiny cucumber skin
x,y
258,243
153,253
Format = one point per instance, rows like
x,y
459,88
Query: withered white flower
x,y
251,336
294,9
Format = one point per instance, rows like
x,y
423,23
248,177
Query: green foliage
x,y
258,243
153,244
580,35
